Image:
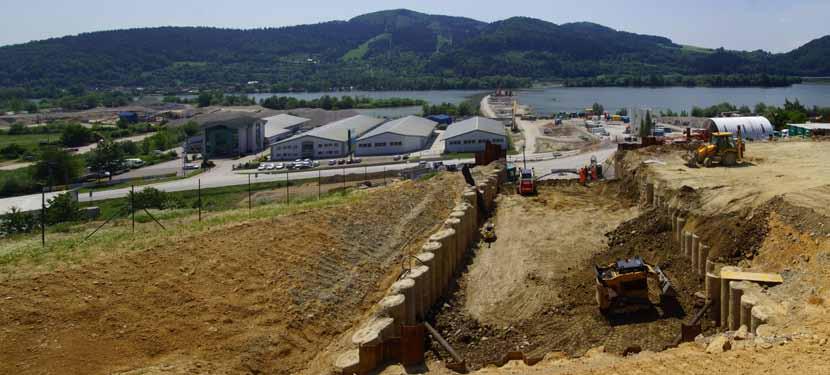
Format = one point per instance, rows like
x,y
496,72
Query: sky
x,y
772,25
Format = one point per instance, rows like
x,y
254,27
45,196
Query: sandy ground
x,y
540,238
263,296
797,170
533,290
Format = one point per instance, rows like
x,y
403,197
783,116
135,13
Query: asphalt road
x,y
222,175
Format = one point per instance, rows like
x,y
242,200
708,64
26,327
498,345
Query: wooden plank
x,y
758,277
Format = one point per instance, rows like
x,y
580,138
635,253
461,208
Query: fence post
x,y
384,175
250,205
344,178
287,190
199,193
132,205
319,179
43,216
365,173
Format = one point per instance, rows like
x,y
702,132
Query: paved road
x,y
222,175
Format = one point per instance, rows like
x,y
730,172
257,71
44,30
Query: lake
x,y
431,96
570,99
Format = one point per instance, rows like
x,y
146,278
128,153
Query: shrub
x,y
62,208
150,198
17,221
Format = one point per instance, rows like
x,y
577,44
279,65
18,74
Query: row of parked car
x,y
296,164
345,161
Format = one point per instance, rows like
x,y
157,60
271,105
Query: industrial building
x,y
473,134
328,141
282,126
401,136
752,127
809,129
230,133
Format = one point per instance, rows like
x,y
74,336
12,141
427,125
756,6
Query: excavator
x,y
624,284
721,150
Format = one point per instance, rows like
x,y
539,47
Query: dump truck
x,y
623,285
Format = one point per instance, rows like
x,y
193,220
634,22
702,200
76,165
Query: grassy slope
x,y
65,243
358,53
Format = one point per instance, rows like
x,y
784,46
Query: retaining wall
x,y
393,333
733,302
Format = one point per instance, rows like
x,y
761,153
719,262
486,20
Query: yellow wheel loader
x,y
623,284
721,150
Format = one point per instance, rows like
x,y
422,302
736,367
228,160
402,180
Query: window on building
x,y
380,144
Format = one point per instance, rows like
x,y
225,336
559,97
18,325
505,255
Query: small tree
x,y
646,125
62,208
56,167
191,128
75,135
106,157
598,109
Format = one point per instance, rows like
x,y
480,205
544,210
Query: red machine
x,y
527,182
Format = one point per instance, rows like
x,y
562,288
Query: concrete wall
x,y
391,334
382,144
474,141
322,149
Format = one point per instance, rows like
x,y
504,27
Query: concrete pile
x,y
394,334
734,303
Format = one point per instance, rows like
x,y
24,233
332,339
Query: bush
x,y
75,135
152,198
12,151
16,222
62,208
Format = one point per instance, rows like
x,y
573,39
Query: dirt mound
x,y
256,297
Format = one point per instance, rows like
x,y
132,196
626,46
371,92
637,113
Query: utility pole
x,y
524,157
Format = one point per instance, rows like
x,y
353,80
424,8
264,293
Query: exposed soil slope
x,y
256,297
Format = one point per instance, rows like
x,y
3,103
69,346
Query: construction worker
x,y
488,233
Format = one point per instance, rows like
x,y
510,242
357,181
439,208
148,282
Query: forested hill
x,y
383,50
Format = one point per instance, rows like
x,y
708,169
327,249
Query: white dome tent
x,y
756,128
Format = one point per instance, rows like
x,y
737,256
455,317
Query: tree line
x,y
709,80
792,112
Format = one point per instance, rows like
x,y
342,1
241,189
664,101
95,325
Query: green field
x,y
27,140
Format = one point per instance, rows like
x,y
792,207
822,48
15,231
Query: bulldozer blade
x,y
666,288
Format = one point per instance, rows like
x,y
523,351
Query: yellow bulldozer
x,y
623,285
721,150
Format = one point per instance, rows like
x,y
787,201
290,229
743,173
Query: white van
x,y
133,163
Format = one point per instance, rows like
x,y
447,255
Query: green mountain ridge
x,y
388,49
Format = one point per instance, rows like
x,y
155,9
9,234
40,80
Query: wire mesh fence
x,y
195,196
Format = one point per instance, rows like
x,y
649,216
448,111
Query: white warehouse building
x,y
752,127
401,136
327,141
473,134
